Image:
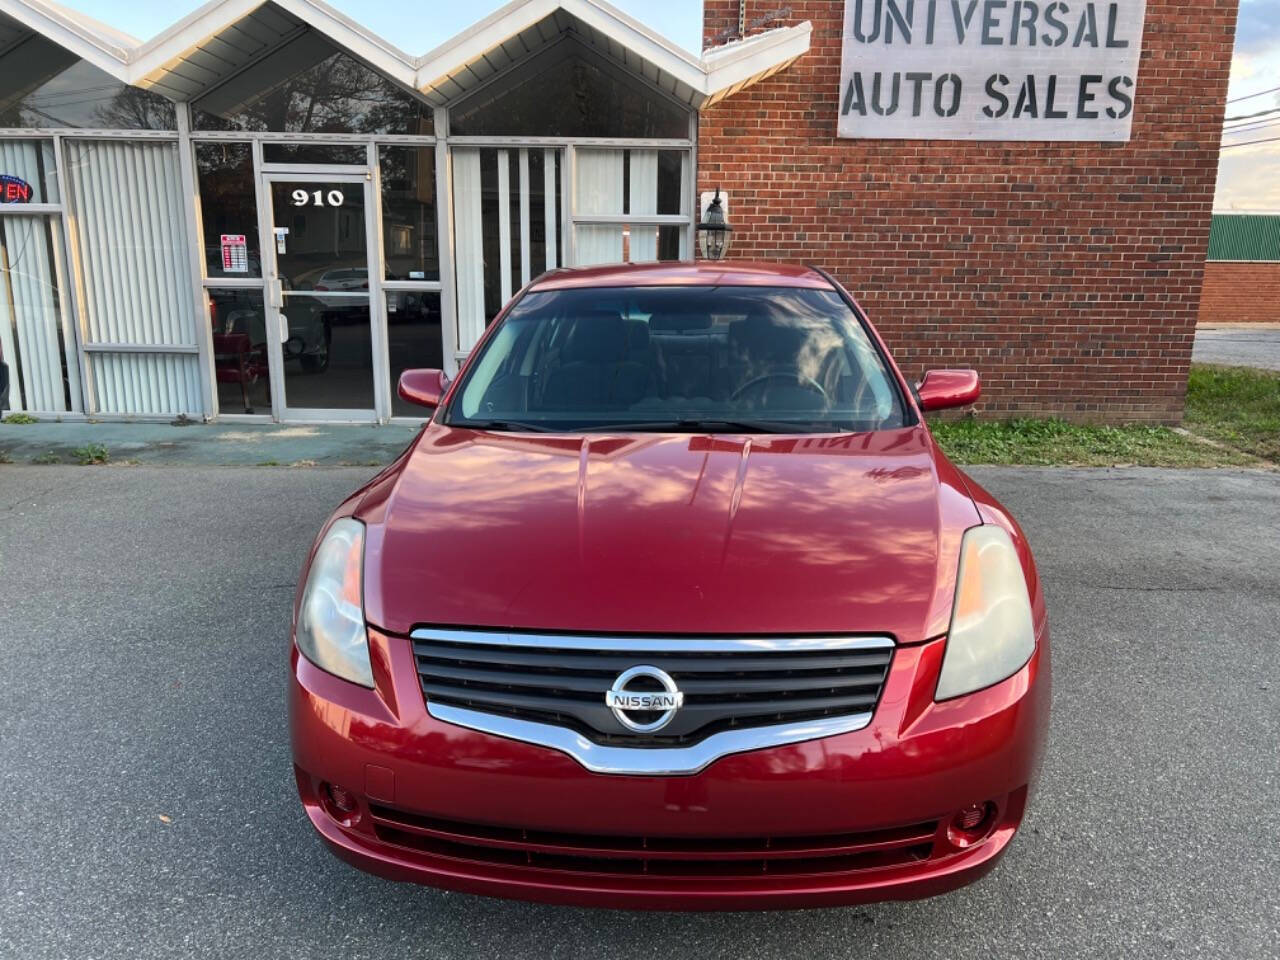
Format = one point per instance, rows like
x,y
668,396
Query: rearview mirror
x,y
424,387
944,389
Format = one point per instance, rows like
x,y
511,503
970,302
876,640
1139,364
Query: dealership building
x,y
268,211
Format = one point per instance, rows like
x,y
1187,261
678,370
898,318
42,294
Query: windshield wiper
x,y
712,425
505,426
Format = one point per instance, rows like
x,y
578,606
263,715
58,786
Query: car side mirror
x,y
423,387
945,389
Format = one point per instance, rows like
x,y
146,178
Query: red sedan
x,y
675,603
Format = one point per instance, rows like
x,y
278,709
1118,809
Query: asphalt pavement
x,y
147,807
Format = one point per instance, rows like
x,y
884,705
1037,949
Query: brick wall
x,y
1241,293
1068,274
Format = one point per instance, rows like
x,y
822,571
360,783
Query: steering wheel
x,y
793,377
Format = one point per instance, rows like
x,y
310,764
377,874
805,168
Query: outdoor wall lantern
x,y
713,231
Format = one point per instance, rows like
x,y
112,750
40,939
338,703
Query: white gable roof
x,y
224,36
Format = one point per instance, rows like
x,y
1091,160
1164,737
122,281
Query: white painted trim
x,y
504,225
30,209
525,255
621,143
735,66
444,245
166,348
637,219
549,181
192,220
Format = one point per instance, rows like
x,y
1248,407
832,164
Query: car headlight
x,y
331,631
992,635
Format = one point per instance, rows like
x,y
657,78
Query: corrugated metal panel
x,y
137,277
145,383
1245,237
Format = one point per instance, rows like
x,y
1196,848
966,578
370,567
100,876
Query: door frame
x,y
276,325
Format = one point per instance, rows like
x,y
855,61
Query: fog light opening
x,y
972,824
339,802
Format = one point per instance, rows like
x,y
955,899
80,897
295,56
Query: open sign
x,y
14,189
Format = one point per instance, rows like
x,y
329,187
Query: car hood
x,y
667,533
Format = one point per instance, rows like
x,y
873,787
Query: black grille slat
x,y
541,681
829,681
651,856
613,663
723,688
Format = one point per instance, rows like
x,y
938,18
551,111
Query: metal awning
x,y
213,44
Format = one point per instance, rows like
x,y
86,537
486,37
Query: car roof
x,y
700,273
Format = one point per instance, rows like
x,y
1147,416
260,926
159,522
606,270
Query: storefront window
x,y
630,183
309,86
559,94
409,213
228,209
348,154
35,174
42,85
32,337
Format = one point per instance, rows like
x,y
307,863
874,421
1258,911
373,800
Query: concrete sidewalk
x,y
206,444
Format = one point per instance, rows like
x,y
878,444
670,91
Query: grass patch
x,y
20,418
1058,443
91,453
47,457
1233,420
1237,407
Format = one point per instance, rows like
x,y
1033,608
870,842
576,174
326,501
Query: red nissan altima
x,y
674,603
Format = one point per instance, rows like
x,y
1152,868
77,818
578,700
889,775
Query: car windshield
x,y
679,359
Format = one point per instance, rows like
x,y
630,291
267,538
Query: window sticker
x,y
235,253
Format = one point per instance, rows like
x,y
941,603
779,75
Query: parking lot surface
x,y
1239,346
149,808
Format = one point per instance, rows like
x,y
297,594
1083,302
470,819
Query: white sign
x,y
990,69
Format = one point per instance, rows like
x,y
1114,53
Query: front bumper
x,y
852,818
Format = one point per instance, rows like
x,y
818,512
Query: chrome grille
x,y
728,684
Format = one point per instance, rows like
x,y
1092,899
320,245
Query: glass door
x,y
319,265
